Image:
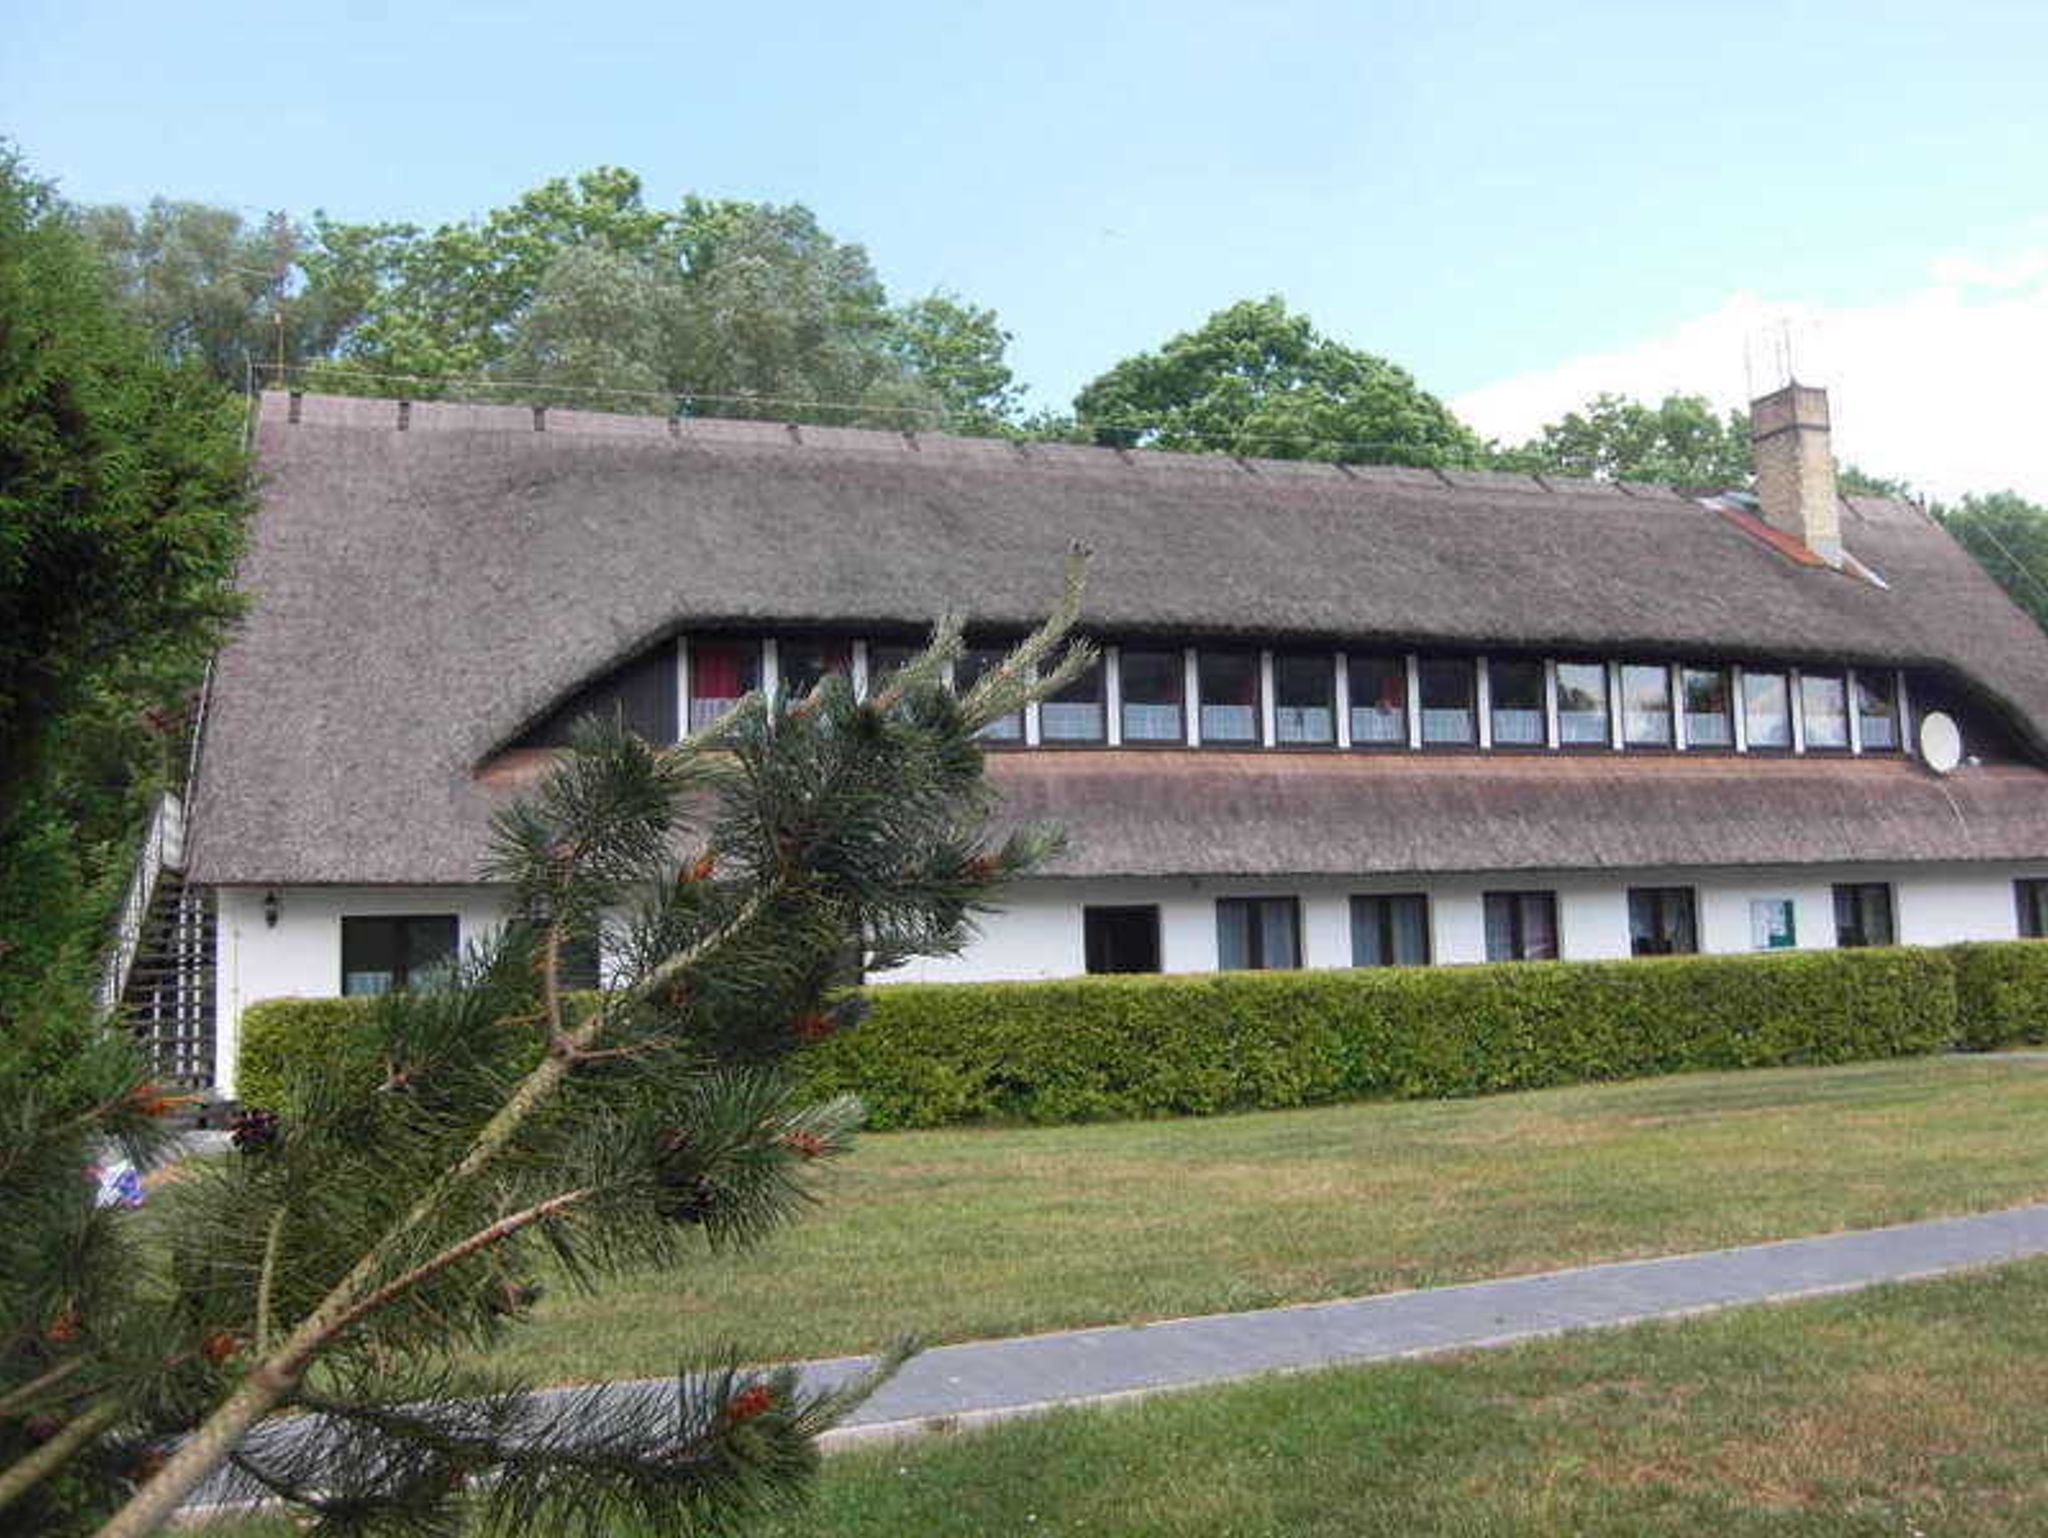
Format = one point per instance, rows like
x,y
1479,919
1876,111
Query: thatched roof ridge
x,y
422,594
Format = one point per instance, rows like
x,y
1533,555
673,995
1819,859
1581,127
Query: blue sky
x,y
1496,195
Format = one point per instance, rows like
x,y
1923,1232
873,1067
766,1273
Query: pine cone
x,y
253,1129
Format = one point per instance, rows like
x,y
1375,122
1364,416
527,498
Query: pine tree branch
x,y
482,1239
17,1399
266,1281
25,1473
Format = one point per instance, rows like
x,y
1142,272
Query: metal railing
x,y
163,848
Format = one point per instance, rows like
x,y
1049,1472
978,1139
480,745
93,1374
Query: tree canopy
x,y
1259,380
1679,442
2009,537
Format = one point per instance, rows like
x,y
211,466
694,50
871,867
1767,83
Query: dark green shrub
x,y
2001,993
932,1054
1090,1048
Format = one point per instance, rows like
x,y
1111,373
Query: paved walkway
x,y
982,1381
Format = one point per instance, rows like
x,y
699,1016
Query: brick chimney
x,y
1795,468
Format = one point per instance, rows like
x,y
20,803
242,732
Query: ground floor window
x,y
1662,921
1773,924
380,952
1863,914
2032,897
1521,926
1390,931
1121,939
1257,933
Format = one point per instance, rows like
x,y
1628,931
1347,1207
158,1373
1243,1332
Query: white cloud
x,y
1942,386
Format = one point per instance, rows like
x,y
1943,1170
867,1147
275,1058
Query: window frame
x,y
1659,898
1177,660
1585,745
1398,663
1840,678
1328,662
1517,926
759,647
1383,923
1249,655
1752,675
2030,900
1541,709
1854,934
988,737
1726,674
1099,671
1470,668
402,972
1255,932
1629,742
1091,913
1887,686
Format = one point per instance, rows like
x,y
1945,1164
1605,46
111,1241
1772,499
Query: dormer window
x,y
1152,683
1079,712
1379,701
722,673
1230,697
1824,711
1447,713
1305,698
1582,704
1766,710
1515,697
968,671
1645,705
1708,721
801,664
1877,712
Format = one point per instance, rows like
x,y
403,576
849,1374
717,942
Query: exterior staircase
x,y
159,973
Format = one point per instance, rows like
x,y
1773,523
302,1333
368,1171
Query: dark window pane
x,y
1824,710
1257,933
1661,921
1645,705
1582,704
1121,939
380,953
973,663
1305,698
1230,696
1079,712
1379,700
1766,710
1515,699
641,696
722,673
579,966
1521,926
1877,712
1708,721
1863,914
800,664
1151,683
1446,686
884,659
1391,931
2032,899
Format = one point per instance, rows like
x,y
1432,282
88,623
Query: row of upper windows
x,y
1139,696
1392,930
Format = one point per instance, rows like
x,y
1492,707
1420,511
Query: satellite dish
x,y
1941,745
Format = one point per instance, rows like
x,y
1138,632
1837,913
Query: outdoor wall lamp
x,y
270,907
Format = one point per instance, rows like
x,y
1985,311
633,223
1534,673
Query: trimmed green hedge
x,y
1099,1047
1095,1047
276,1031
2001,993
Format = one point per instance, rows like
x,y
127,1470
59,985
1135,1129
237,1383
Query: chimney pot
x,y
1795,467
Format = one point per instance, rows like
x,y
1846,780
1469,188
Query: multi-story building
x,y
1346,715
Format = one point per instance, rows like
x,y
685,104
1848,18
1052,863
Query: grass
x,y
1910,1410
962,1234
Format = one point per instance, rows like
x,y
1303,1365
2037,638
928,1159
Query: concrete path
x,y
982,1381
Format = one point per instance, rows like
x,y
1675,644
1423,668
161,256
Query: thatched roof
x,y
421,596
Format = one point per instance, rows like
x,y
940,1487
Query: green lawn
x,y
1914,1410
996,1232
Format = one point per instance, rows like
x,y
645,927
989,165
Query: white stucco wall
x,y
1037,932
301,955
